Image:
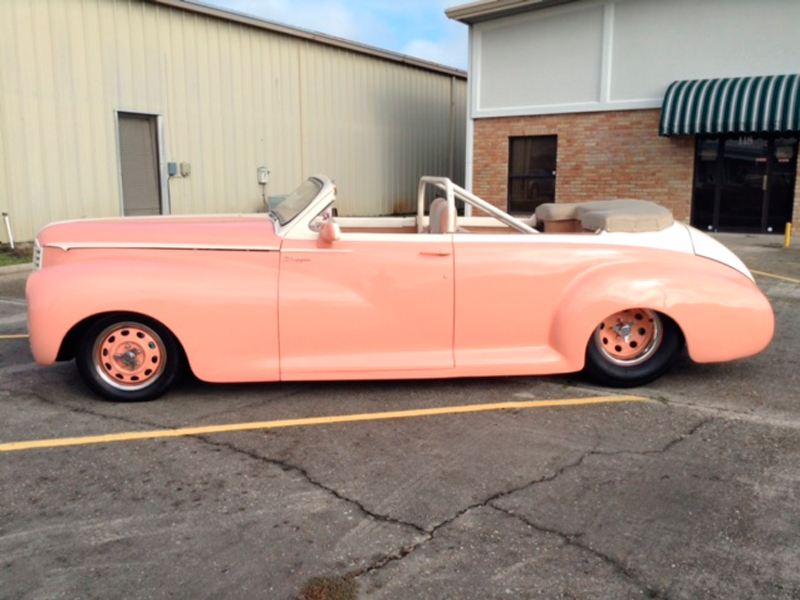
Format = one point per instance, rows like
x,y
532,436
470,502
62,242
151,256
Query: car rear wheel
x,y
128,358
632,347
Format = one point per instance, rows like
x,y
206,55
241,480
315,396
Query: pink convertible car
x,y
613,288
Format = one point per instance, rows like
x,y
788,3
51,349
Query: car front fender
x,y
222,307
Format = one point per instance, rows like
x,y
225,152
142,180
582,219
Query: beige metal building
x,y
130,107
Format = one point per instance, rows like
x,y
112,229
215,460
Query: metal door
x,y
139,164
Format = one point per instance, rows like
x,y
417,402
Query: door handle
x,y
435,252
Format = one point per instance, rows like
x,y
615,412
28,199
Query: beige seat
x,y
439,213
550,211
628,216
558,218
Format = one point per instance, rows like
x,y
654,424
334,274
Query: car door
x,y
507,291
367,303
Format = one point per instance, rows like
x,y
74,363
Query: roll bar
x,y
453,191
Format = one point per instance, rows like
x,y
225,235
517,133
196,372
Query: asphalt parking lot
x,y
690,489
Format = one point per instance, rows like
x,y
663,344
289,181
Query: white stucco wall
x,y
622,54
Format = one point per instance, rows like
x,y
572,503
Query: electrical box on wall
x,y
186,169
172,169
263,175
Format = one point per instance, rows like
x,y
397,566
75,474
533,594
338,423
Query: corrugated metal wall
x,y
230,98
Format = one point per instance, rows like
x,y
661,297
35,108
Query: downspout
x,y
451,167
8,230
470,139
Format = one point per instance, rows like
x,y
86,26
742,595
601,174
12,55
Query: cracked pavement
x,y
693,495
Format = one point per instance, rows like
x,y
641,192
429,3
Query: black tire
x,y
128,358
632,348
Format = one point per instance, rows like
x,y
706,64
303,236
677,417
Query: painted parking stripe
x,y
781,277
14,336
403,414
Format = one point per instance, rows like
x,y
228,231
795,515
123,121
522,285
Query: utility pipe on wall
x,y
8,230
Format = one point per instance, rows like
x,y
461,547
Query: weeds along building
x,y
137,107
692,103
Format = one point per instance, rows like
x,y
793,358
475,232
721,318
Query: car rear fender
x,y
722,314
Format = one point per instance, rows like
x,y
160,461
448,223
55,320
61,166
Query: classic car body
x,y
300,294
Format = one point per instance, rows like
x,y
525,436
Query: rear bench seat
x,y
629,216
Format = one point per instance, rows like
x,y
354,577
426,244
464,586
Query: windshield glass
x,y
296,202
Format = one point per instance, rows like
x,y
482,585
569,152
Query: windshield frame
x,y
297,201
297,228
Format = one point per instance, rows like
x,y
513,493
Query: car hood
x,y
224,232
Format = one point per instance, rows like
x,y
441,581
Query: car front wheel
x,y
632,347
128,358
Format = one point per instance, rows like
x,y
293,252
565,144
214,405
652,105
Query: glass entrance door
x,y
744,180
782,174
744,183
531,172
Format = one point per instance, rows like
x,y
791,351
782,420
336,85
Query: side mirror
x,y
330,232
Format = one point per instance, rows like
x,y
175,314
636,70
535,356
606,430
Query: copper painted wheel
x,y
630,337
632,348
129,356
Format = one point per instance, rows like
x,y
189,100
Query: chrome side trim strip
x,y
319,250
157,246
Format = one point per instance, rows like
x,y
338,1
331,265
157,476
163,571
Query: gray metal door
x,y
138,159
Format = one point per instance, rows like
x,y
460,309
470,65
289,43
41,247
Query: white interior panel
x,y
541,59
656,42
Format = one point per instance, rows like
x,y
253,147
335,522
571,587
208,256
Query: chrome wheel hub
x,y
630,337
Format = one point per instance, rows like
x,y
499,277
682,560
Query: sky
x,y
418,28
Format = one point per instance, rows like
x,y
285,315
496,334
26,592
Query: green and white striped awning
x,y
735,105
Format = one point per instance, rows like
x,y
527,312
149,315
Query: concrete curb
x,y
11,269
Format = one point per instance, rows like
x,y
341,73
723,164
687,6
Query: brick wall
x,y
601,156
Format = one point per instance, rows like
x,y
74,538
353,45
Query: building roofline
x,y
484,10
311,36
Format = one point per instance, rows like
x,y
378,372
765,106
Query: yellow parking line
x,y
14,336
781,277
403,414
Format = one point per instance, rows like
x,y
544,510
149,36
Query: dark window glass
x,y
531,172
744,182
705,183
744,168
781,182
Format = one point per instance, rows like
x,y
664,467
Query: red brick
x,y
601,156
